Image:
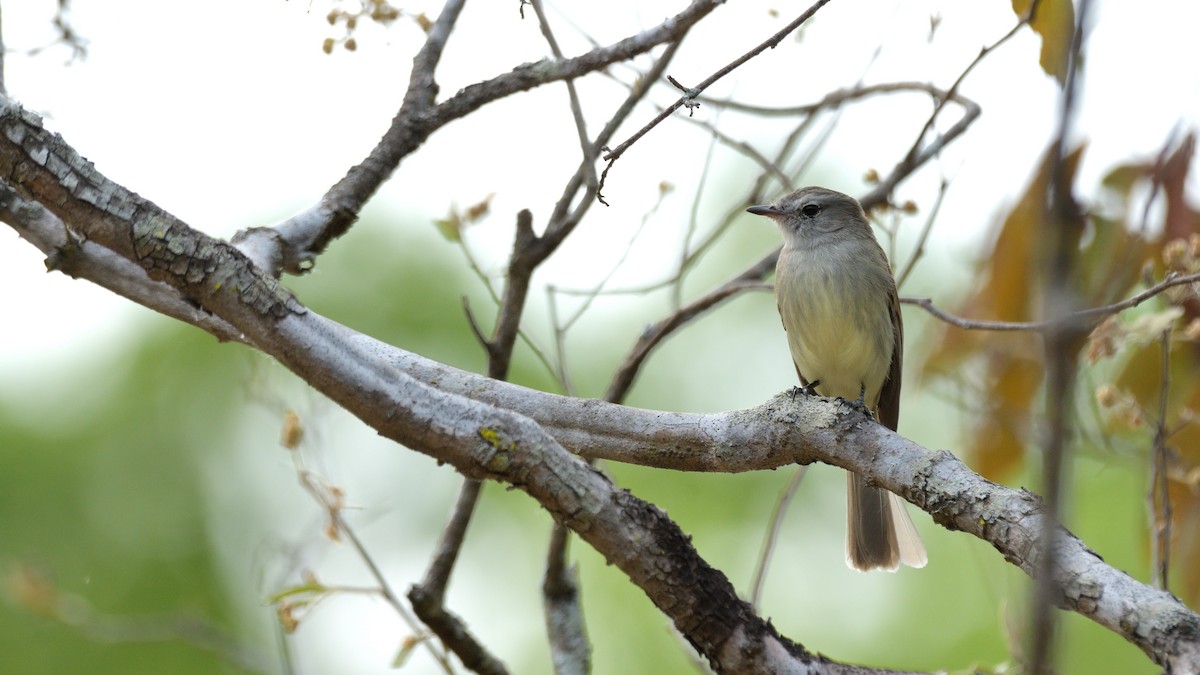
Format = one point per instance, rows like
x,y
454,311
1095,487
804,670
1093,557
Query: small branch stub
x,y
690,92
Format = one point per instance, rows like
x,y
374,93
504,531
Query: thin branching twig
x,y
691,93
1085,317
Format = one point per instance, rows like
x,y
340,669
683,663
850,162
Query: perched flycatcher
x,y
837,298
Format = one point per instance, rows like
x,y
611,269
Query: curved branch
x,y
655,334
833,99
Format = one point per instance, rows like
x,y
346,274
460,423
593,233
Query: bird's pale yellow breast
x,y
840,337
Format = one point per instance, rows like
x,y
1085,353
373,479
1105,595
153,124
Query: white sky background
x,y
227,114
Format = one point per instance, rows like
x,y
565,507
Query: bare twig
x,y
428,597
589,154
66,34
293,245
331,504
919,248
953,91
473,324
776,522
564,219
438,575
473,264
569,647
833,99
918,154
615,154
652,336
561,371
522,262
911,162
591,294
1159,497
1086,317
686,257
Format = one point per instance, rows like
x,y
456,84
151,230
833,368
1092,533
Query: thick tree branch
x,y
498,431
79,258
480,440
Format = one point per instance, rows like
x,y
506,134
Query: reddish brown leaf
x,y
1000,436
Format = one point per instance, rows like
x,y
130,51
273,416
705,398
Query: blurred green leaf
x,y
451,228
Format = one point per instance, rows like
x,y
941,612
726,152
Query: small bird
x,y
837,299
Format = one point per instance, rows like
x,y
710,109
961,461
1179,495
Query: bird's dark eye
x,y
810,210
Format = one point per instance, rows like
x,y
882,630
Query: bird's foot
x,y
859,404
809,389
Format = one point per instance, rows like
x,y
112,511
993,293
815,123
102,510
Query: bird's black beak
x,y
765,210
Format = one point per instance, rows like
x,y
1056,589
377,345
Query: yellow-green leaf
x,y
1054,21
451,228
